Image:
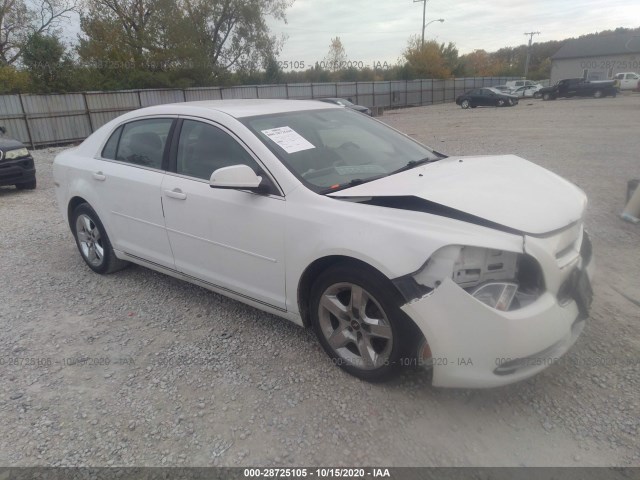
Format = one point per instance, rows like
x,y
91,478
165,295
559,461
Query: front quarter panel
x,y
393,241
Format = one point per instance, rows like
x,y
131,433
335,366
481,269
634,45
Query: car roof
x,y
236,108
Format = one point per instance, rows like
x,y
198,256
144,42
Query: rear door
x,y
127,177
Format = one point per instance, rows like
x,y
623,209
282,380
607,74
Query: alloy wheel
x,y
90,240
355,326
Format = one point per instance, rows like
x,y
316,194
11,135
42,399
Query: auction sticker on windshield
x,y
288,139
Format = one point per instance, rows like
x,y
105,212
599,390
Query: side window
x,y
203,148
142,142
109,150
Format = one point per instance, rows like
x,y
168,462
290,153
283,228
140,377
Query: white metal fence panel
x,y
239,93
64,118
272,91
201,94
159,97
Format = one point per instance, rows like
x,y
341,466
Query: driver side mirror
x,y
238,177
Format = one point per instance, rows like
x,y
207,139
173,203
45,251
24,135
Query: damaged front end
x,y
500,279
492,317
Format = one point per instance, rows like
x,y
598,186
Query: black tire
x,y
500,103
27,185
597,94
546,96
465,104
389,352
106,262
537,95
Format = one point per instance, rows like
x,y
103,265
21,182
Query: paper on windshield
x,y
288,139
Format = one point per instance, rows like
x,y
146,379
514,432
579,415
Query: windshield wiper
x,y
414,163
350,183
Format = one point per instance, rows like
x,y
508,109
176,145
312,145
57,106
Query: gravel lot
x,y
196,379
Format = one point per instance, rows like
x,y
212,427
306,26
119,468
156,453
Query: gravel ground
x,y
175,375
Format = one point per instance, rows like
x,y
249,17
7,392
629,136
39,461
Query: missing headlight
x,y
501,279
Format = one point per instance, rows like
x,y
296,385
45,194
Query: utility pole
x,y
526,64
424,12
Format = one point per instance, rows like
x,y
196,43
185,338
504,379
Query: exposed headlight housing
x,y
500,279
498,295
17,153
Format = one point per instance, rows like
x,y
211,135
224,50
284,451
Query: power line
x,y
526,63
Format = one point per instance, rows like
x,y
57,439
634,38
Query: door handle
x,y
101,177
176,193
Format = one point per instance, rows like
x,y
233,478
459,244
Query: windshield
x,y
494,90
330,149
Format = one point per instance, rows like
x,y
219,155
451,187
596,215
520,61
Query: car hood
x,y
7,144
504,192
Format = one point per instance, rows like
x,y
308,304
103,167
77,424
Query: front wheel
x,y
359,324
537,95
93,242
500,103
597,94
465,104
546,96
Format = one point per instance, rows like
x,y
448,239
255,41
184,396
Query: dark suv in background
x,y
16,163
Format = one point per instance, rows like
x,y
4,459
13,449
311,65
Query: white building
x,y
597,58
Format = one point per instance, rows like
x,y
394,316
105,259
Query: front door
x,y
231,239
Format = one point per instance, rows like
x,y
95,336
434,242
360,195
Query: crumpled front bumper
x,y
475,346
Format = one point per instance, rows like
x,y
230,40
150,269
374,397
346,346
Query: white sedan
x,y
476,268
528,91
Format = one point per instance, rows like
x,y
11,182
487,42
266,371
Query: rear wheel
x,y
357,320
597,94
93,242
465,104
537,95
27,185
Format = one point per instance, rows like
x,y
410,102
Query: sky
x,y
377,30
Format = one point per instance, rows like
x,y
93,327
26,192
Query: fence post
x,y
257,92
335,86
139,100
26,121
357,97
184,95
286,89
86,109
312,90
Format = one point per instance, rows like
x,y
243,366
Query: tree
x,y
204,36
13,80
479,63
21,19
425,61
43,56
336,57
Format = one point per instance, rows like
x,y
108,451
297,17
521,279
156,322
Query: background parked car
x,y
16,163
528,91
503,88
486,97
519,83
627,80
346,103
